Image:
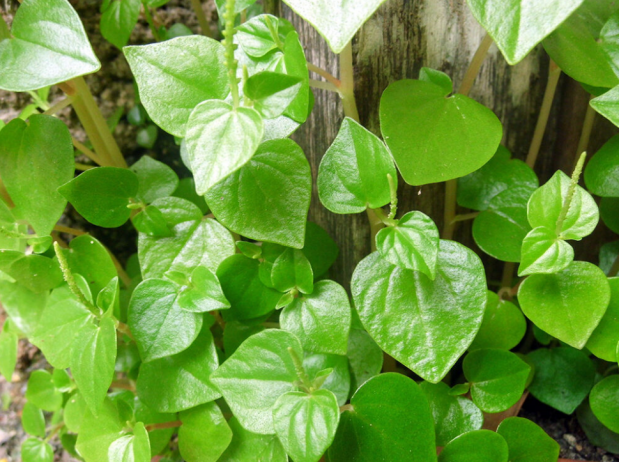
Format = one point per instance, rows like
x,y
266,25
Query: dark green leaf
x,y
250,447
609,212
118,20
604,402
365,358
235,333
597,433
476,446
187,190
503,325
155,179
601,173
204,435
527,442
604,340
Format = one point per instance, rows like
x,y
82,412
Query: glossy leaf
x,y
151,222
203,294
101,195
118,20
35,160
28,64
249,447
353,171
268,198
497,378
476,446
42,393
36,450
563,377
204,435
601,173
22,305
410,317
603,342
320,320
262,34
131,448
604,402
292,270
271,92
98,432
422,126
543,252
365,358
437,77
176,75
453,415
390,418
568,305
35,272
333,371
89,258
607,105
155,179
527,442
256,375
503,325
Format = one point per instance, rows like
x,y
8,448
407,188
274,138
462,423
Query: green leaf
x,y
503,325
89,258
250,447
409,316
35,450
353,172
499,231
609,212
181,381
365,357
159,439
35,160
413,243
62,381
436,77
161,328
306,423
118,20
423,127
563,377
23,306
390,418
268,198
603,342
517,26
601,173
176,75
220,140
101,195
131,448
203,294
249,298
271,92
256,375
187,190
576,48
527,442
297,66
609,41
249,249
453,415
497,378
151,222
476,190
597,433
204,435
321,320
195,241
38,55
568,305
8,352
262,34
337,23
332,372
543,252
155,179
33,421
235,333
41,391
239,6
35,272
92,361
607,105
97,433
604,402
292,270
476,446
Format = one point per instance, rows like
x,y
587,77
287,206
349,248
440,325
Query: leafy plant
x,y
223,338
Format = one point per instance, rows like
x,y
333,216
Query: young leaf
x,y
423,127
42,393
527,442
256,375
249,447
436,77
453,415
337,23
101,195
390,418
155,179
295,412
8,352
497,378
517,26
476,446
187,190
365,358
568,305
601,173
93,355
604,402
503,325
89,258
131,448
563,377
607,105
35,160
271,92
220,140
262,34
203,294
543,252
35,450
239,6
292,270
176,75
164,384
268,198
97,433
151,222
33,421
603,342
353,172
118,20
321,320
412,244
159,326
410,316
329,372
28,65
297,66
204,435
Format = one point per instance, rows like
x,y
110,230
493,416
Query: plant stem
x,y
68,277
149,19
202,19
324,85
393,197
586,130
465,217
68,230
543,116
83,167
162,425
123,384
347,84
449,211
231,62
5,33
509,270
570,193
299,369
346,407
59,106
54,431
376,225
326,75
87,152
124,329
122,274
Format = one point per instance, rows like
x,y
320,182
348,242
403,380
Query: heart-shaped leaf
x,y
263,33
424,324
248,447
601,173
476,446
155,179
33,421
332,371
544,252
604,340
568,305
131,448
203,294
423,128
48,46
97,433
118,20
36,450
503,325
42,393
292,270
527,442
271,92
604,402
607,105
204,435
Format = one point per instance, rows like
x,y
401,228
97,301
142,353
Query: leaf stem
x,y
543,115
393,197
586,130
465,217
54,431
231,62
122,274
149,19
83,167
5,33
376,225
324,85
59,106
163,425
347,84
70,280
449,211
68,230
326,75
299,369
87,152
574,180
124,329
508,273
123,384
202,19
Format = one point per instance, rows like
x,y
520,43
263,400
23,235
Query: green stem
x,y
347,83
231,62
202,19
393,197
571,192
299,369
376,225
5,33
70,280
149,19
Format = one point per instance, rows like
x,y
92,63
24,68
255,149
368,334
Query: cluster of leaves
x,y
244,349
